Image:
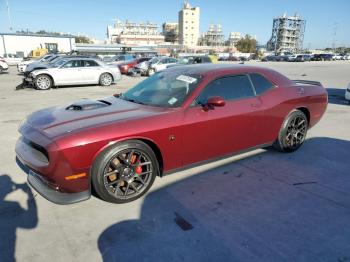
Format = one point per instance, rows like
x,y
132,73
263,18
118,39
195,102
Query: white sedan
x,y
74,71
161,64
12,59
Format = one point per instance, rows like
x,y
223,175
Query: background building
x,y
24,44
287,34
189,25
213,37
130,33
171,32
233,38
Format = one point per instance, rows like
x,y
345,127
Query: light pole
x,y
8,14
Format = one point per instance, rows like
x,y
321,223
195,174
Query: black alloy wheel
x,y
293,132
125,172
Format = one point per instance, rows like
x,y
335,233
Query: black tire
x,y
293,132
43,82
106,79
150,72
114,172
1,69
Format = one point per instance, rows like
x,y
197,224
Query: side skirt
x,y
200,163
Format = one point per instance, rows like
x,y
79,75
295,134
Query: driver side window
x,y
229,88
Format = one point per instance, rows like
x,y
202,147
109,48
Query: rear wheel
x,y
293,132
124,172
43,82
106,79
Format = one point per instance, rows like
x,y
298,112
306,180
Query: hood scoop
x,y
88,105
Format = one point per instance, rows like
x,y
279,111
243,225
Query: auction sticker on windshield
x,y
186,79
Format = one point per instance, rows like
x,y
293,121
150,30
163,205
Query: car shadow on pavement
x,y
337,96
266,207
13,216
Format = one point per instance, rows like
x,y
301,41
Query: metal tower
x,y
287,34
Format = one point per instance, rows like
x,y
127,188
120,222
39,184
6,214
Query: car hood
x,y
34,65
58,121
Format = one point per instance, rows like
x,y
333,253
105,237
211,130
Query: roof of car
x,y
208,68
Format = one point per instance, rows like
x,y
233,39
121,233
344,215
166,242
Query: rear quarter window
x,y
261,84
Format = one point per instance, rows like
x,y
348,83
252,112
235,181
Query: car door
x,y
273,107
161,65
69,73
223,130
91,71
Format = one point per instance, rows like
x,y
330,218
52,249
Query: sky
x,y
327,22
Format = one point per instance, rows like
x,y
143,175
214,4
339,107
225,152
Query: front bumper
x,y
45,190
21,68
51,166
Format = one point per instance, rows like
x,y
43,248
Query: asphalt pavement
x,y
259,206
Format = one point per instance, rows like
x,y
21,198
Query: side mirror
x,y
215,101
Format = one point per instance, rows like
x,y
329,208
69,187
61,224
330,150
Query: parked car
x,y
292,58
126,66
50,62
3,65
337,57
322,57
21,67
161,64
269,58
303,58
232,58
119,59
345,57
12,59
74,71
177,118
189,60
142,68
347,93
41,64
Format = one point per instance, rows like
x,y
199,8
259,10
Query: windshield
x,y
58,62
164,89
154,60
186,60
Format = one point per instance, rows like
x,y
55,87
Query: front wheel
x,y
150,72
124,172
293,132
43,82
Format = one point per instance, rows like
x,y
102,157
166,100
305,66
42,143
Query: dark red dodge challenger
x,y
178,117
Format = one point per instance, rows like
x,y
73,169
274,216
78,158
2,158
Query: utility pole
x,y
334,35
9,16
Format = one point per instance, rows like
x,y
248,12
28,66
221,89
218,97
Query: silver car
x,y
74,71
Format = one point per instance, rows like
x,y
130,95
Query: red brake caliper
x,y
138,169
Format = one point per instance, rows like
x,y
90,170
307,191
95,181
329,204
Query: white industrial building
x,y
24,44
189,25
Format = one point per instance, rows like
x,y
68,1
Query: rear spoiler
x,y
307,82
